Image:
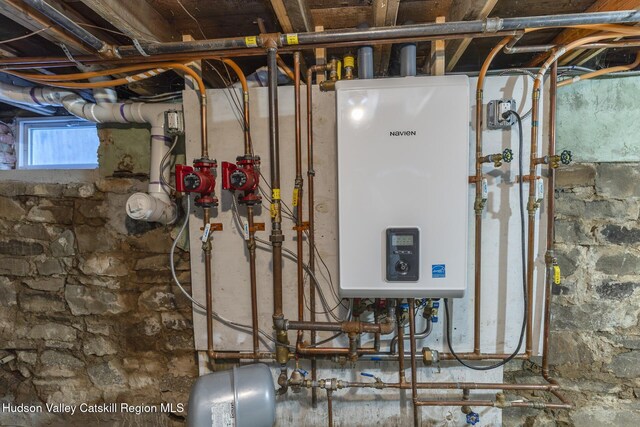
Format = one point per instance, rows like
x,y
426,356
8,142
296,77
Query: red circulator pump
x,y
243,176
198,179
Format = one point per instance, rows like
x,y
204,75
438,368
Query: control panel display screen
x,y
403,254
402,240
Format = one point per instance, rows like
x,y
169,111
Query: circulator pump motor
x,y
244,176
198,179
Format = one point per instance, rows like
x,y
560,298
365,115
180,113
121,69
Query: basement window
x,y
56,143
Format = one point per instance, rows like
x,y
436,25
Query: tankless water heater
x,y
403,149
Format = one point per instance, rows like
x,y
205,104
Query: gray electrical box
x,y
496,110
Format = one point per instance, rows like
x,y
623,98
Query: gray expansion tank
x,y
241,397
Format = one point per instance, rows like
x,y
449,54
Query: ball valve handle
x,y
566,157
507,155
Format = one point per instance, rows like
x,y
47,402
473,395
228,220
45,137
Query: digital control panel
x,y
403,254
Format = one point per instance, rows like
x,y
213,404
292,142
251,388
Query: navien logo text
x,y
403,133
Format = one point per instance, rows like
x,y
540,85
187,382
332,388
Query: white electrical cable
x,y
230,323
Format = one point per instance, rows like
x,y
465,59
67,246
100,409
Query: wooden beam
x,y
34,21
137,19
293,15
438,57
190,82
465,10
385,14
321,57
572,34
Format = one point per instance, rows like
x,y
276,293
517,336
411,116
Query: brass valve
x,y
564,158
497,159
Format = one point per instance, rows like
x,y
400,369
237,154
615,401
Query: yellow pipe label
x,y
274,210
292,39
275,194
339,70
556,274
296,193
251,41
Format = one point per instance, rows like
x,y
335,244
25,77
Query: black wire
x,y
524,269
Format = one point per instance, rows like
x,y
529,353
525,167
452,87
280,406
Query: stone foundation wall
x,y
88,312
595,338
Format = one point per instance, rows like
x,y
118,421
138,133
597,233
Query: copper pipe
x,y
400,327
414,369
310,209
206,247
331,351
481,356
604,71
354,326
251,245
454,386
551,186
242,355
532,205
245,104
277,237
479,202
491,403
298,190
329,409
550,255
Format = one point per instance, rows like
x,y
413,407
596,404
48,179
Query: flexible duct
x,y
156,208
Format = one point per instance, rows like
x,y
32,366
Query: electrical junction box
x,y
403,186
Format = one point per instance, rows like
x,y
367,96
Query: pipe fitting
x,y
270,40
151,208
328,85
282,382
493,25
430,356
280,323
353,347
282,352
296,381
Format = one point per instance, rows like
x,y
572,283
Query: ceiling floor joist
x,y
385,14
569,35
465,10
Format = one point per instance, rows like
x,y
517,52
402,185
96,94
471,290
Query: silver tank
x,y
241,397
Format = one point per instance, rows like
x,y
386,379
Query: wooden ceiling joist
x,y
293,15
34,21
465,10
137,20
572,34
385,14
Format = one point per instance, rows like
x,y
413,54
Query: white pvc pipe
x,y
155,207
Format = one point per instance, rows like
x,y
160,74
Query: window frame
x,y
24,124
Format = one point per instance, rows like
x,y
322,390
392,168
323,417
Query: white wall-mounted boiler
x,y
403,186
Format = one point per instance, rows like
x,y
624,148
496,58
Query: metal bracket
x,y
70,57
257,226
531,366
303,227
215,226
